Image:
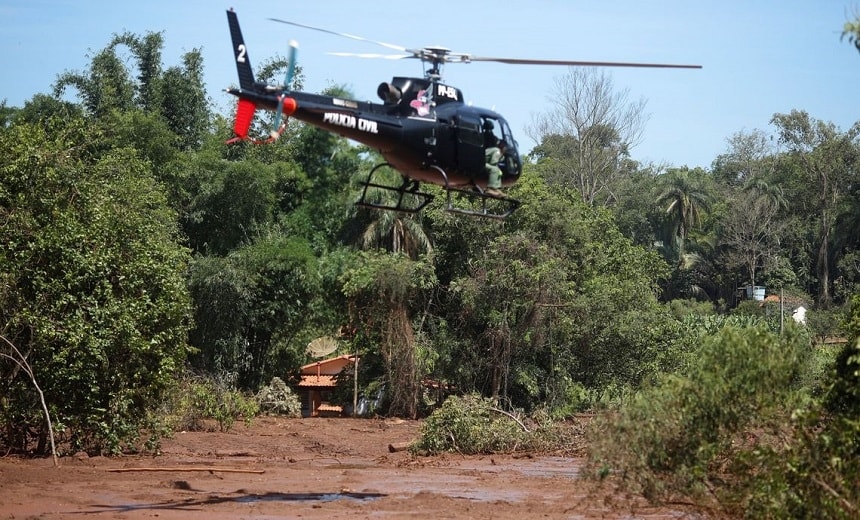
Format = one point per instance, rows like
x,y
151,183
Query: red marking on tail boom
x,y
244,115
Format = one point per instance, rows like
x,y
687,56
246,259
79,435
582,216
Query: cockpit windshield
x,y
496,129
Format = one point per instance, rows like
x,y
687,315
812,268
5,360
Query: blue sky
x,y
760,57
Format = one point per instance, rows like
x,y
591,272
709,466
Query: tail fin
x,y
240,52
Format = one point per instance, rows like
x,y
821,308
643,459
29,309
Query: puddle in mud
x,y
306,497
246,498
550,467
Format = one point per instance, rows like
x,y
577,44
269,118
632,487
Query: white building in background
x,y
799,315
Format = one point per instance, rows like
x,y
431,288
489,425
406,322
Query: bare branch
x,y
21,361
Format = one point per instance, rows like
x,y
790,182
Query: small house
x,y
317,381
790,305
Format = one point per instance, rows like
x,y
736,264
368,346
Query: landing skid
x,y
405,198
476,201
408,199
489,206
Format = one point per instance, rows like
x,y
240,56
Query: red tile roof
x,y
315,380
328,366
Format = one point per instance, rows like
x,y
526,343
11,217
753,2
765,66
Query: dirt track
x,y
306,468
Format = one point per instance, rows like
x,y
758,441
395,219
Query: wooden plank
x,y
211,469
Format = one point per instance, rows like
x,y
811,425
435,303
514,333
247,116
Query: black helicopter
x,y
423,128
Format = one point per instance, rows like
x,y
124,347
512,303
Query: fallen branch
x,y
523,426
210,469
236,453
398,446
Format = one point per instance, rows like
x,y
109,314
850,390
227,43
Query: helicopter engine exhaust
x,y
389,93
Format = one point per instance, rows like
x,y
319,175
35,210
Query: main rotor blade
x,y
345,35
525,61
371,55
442,55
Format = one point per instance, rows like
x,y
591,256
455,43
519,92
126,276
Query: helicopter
x,y
423,128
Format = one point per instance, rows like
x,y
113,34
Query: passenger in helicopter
x,y
490,138
493,155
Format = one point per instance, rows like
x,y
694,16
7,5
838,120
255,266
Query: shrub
x,y
814,475
817,474
278,399
468,425
199,398
473,424
698,435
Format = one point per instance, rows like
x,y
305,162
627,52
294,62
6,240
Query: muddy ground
x,y
308,468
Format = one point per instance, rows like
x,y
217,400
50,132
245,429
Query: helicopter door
x,y
470,143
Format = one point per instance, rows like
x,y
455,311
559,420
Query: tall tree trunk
x,y
402,364
823,263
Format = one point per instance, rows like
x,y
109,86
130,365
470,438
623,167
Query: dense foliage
x,y
688,433
93,290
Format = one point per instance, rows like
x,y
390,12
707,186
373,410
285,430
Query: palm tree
x,y
685,198
394,231
398,233
770,191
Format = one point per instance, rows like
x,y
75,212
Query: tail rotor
x,y
278,127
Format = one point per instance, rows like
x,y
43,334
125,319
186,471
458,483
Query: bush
x,y
814,475
278,399
699,435
683,308
817,474
468,425
199,398
472,424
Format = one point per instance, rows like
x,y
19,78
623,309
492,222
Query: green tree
x,y
397,232
686,198
751,233
251,305
637,216
750,156
825,157
42,107
92,287
177,95
106,87
231,202
7,114
184,102
556,302
384,291
851,30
